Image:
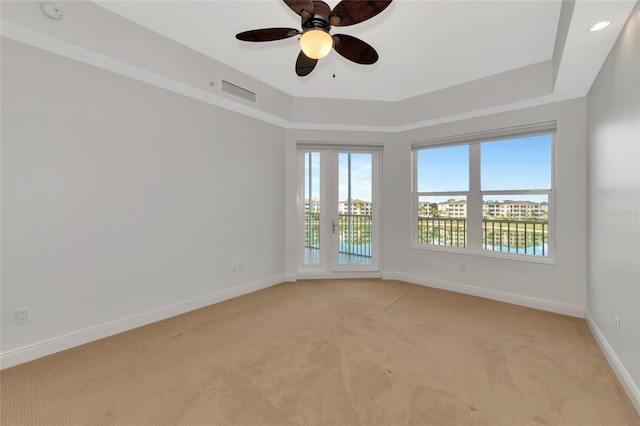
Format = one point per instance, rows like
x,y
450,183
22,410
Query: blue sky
x,y
513,164
315,175
361,175
361,172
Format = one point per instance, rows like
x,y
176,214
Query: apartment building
x,y
356,207
519,210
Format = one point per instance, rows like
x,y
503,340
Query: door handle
x,y
333,226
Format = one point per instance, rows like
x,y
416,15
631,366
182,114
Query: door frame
x,y
328,266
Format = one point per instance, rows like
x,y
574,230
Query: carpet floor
x,y
330,352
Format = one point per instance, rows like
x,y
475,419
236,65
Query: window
x,y
443,188
489,194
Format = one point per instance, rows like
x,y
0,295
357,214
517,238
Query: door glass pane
x,y
355,196
312,208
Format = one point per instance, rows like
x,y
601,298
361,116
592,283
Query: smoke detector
x,y
51,11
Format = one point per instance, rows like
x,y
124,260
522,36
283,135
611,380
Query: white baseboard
x,y
618,368
336,275
57,344
515,299
291,277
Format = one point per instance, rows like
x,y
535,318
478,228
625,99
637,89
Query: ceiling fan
x,y
317,20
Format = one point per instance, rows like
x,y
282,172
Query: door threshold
x,y
339,274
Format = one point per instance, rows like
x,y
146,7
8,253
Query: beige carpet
x,y
342,352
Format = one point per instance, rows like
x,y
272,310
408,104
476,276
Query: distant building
x,y
516,210
453,208
315,205
519,210
358,207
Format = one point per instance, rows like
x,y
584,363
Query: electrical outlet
x,y
23,315
617,325
240,268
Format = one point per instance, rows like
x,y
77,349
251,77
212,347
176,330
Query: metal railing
x,y
516,236
503,235
451,232
312,230
354,232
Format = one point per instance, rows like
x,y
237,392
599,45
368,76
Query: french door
x,y
338,205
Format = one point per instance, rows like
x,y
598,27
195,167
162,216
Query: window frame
x,y
475,194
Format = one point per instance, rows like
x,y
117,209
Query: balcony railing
x,y
354,233
500,235
450,232
513,236
312,230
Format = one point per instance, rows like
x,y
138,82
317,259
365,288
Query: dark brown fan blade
x,y
267,34
349,12
304,64
354,49
299,5
322,9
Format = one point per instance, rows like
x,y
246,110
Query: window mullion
x,y
474,200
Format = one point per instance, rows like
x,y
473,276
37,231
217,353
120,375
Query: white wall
x,y
92,34
488,92
558,287
613,114
120,200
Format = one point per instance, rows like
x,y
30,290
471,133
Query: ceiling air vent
x,y
239,92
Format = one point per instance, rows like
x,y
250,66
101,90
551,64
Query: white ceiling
x,y
539,51
423,45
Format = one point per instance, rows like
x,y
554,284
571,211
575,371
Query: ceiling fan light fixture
x,y
316,43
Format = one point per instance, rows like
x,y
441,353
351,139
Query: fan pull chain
x,y
334,65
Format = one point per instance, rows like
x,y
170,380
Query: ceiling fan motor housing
x,y
319,19
316,24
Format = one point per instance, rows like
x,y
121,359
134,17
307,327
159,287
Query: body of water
x,y
365,249
359,249
539,250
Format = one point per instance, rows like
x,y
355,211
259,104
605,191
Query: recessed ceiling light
x,y
599,26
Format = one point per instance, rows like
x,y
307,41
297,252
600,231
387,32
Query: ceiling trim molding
x,y
564,23
71,51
